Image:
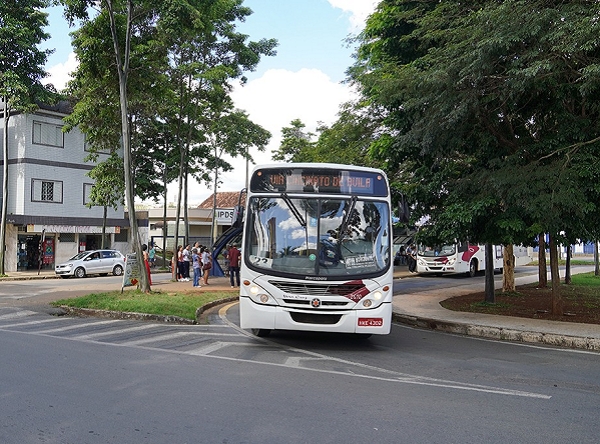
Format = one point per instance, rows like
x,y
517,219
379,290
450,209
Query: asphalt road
x,y
88,380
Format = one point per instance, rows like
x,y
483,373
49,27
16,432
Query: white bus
x,y
463,257
316,250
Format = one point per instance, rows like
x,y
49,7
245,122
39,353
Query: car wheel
x,y
79,272
118,270
261,332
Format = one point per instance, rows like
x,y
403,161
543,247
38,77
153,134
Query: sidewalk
x,y
423,309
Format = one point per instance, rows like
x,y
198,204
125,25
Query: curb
x,y
90,312
500,334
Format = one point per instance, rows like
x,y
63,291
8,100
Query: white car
x,y
92,262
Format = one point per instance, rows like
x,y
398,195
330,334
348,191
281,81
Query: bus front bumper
x,y
376,321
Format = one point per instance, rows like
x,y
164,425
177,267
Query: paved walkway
x,y
423,309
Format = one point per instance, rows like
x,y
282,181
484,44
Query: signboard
x,y
48,251
318,180
131,276
224,216
34,228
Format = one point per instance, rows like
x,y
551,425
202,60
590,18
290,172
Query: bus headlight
x,y
451,261
259,295
374,299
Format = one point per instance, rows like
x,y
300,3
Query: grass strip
x,y
157,303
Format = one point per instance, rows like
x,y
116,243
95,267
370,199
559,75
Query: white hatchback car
x,y
92,262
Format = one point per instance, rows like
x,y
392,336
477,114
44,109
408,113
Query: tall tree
x,y
494,107
22,63
296,144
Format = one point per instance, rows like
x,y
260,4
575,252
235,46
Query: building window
x,y
122,236
87,189
46,190
67,237
88,147
47,134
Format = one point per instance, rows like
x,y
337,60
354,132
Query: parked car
x,y
92,262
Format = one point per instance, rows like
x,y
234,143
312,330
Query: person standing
x,y
206,264
180,263
196,264
187,258
411,256
151,255
234,266
147,262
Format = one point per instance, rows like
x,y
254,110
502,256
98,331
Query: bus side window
x,y
463,246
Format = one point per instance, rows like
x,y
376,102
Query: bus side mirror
x,y
238,216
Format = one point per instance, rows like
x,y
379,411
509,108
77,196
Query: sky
x,y
303,81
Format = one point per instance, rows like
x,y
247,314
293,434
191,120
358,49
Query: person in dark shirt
x,y
234,266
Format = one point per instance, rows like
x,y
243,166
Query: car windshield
x,y
437,250
318,237
80,255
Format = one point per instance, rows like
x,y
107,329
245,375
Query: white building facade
x,y
48,189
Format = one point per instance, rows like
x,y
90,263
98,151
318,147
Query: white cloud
x,y
60,74
277,98
359,10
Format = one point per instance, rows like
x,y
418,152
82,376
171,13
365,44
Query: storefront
x,y
35,252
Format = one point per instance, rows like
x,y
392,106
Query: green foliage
x,y
22,63
490,114
183,305
296,144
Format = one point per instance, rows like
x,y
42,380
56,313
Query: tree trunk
x,y
4,188
542,269
489,274
178,210
103,242
165,229
186,224
557,305
508,269
596,264
123,71
568,265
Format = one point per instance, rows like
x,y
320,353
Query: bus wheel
x,y
472,269
261,332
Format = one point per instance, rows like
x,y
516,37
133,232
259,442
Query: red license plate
x,y
370,322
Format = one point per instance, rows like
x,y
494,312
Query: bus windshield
x,y
318,237
437,250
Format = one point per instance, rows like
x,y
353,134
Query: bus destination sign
x,y
328,181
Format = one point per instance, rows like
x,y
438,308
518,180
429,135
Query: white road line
x,y
116,332
36,322
203,351
73,327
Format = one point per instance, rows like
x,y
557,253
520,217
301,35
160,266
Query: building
x,y
48,189
200,221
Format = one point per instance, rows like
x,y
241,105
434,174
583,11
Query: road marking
x,y
305,356
75,326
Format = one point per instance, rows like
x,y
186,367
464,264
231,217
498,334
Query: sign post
x,y
131,276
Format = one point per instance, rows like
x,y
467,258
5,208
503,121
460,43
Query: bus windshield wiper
x,y
293,209
346,220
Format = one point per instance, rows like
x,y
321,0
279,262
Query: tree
x,y
296,144
21,70
108,188
231,133
146,37
493,107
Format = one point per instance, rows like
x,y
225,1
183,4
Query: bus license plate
x,y
370,322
